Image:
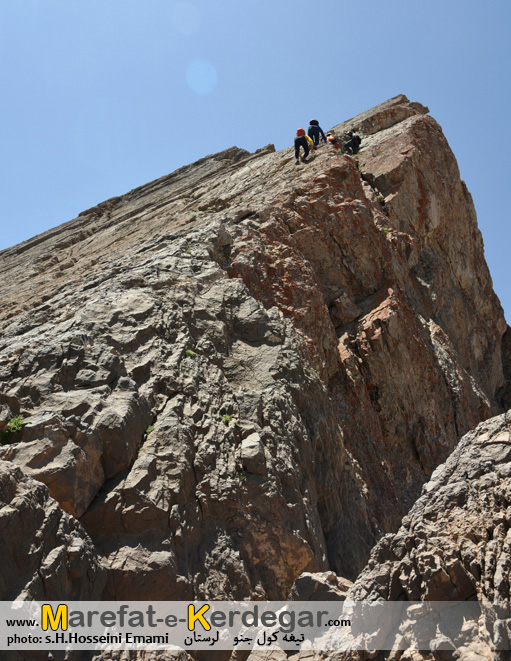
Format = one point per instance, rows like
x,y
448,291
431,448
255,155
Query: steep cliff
x,y
454,546
248,369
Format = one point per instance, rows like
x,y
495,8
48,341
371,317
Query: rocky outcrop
x,y
325,586
246,370
454,544
45,553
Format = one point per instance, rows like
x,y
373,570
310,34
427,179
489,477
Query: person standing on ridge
x,y
315,131
301,140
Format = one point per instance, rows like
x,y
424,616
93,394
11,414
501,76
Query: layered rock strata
x,y
246,370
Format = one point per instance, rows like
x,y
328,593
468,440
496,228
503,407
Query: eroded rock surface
x,y
45,553
324,586
454,545
246,370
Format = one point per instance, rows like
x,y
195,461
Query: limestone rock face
x,y
248,369
454,543
45,553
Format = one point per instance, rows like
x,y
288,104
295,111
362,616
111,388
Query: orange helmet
x,y
300,132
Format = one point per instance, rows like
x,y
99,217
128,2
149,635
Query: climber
x,y
353,144
332,140
301,140
315,131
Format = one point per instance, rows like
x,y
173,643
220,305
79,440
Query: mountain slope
x,y
247,369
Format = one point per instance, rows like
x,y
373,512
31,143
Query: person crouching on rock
x,y
302,140
353,144
332,140
315,131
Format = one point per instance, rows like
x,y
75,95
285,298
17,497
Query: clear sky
x,y
101,96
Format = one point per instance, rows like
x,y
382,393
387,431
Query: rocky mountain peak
x,y
244,370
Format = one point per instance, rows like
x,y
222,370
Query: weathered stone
x,y
456,551
46,554
247,370
252,454
324,586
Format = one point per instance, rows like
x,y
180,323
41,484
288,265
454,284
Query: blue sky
x,y
101,96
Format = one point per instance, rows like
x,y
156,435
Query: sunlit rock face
x,y
247,369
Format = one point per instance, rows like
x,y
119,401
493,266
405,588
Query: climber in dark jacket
x,y
315,131
301,141
353,144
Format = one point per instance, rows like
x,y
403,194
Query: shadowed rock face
x,y
454,543
246,370
44,550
